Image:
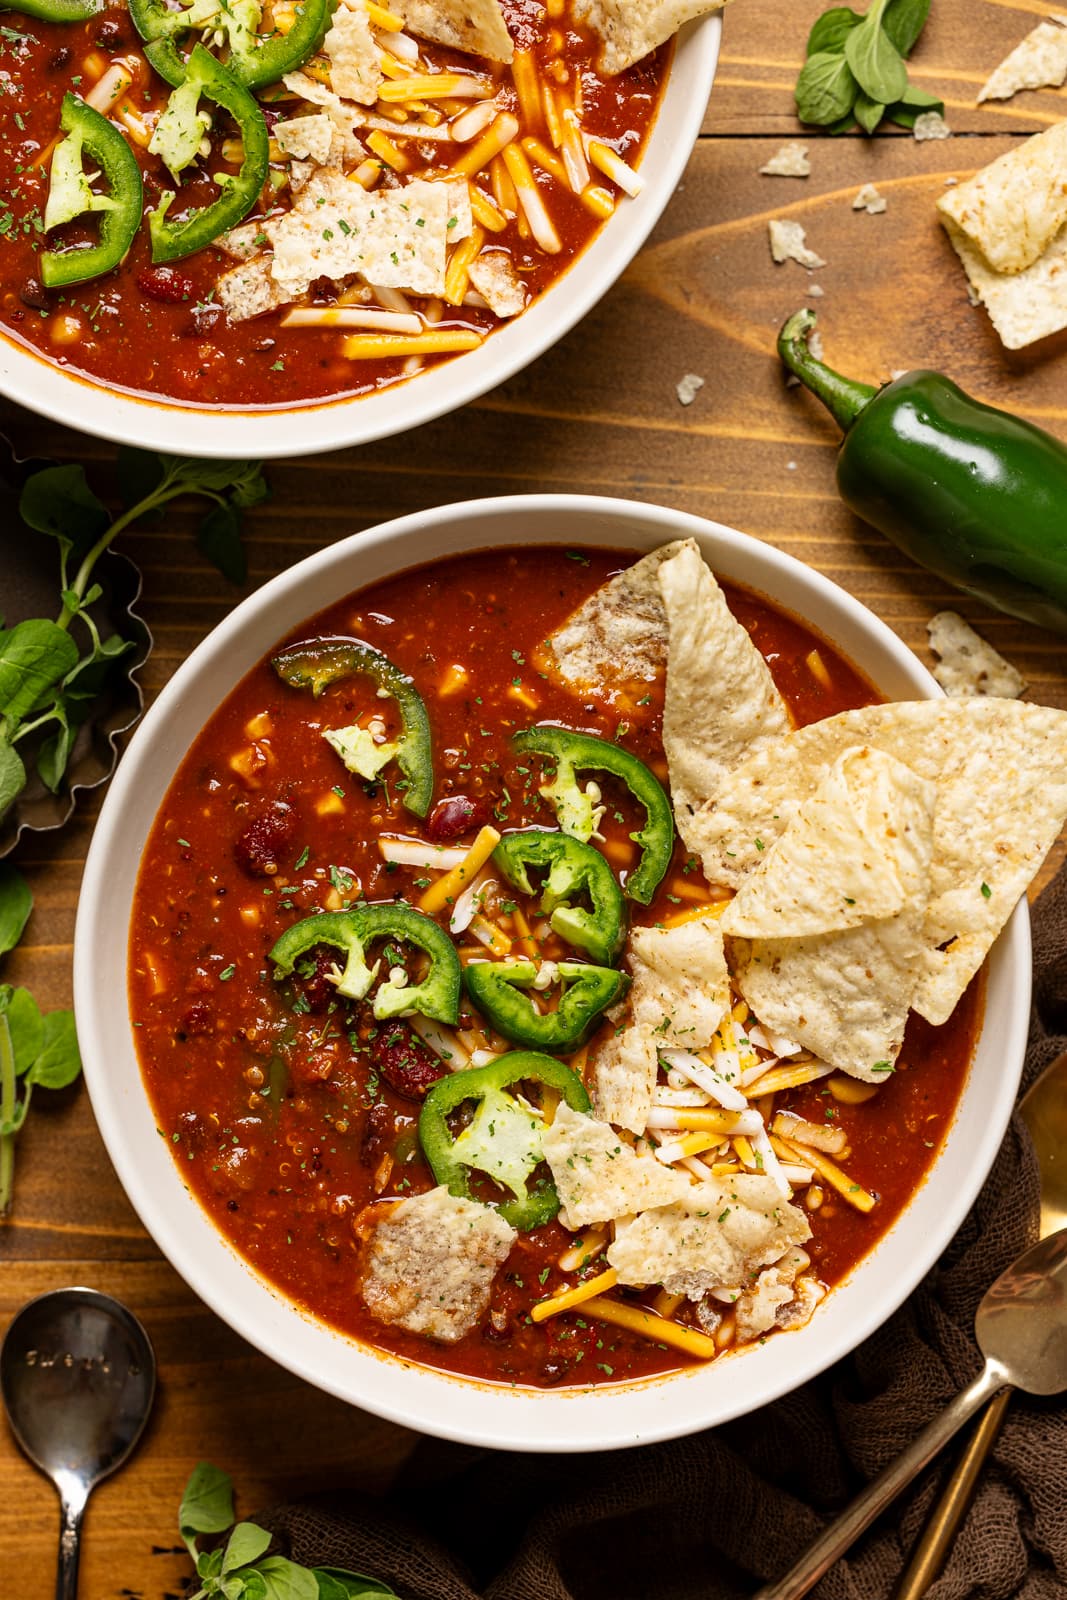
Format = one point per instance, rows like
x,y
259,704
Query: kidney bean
x,y
267,834
406,1064
166,285
455,815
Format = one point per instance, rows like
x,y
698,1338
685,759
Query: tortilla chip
x,y
788,243
857,850
306,138
354,56
1025,306
721,703
680,991
620,633
1014,208
790,161
968,663
394,238
631,29
868,199
835,917
715,1237
598,1176
476,27
1039,62
930,125
1000,767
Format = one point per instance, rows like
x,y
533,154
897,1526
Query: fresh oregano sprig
x,y
48,679
240,1567
855,72
36,1051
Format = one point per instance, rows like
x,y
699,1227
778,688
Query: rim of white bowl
x,y
154,424
421,1398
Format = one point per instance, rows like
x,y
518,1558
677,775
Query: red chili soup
x,y
292,1114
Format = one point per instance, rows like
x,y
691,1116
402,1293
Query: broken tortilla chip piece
x,y
968,664
720,703
597,1174
679,994
1000,767
476,27
835,916
1013,209
632,29
1038,62
1023,306
620,633
857,850
717,1236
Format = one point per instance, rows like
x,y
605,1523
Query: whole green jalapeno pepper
x,y
972,493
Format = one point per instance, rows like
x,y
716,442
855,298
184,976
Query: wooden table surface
x,y
598,414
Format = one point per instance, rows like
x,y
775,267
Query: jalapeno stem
x,y
844,398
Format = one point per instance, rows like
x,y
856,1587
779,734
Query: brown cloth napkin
x,y
712,1516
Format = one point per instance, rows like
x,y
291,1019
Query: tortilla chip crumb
x,y
968,664
788,244
868,199
816,290
791,161
686,388
1038,62
815,345
931,125
950,183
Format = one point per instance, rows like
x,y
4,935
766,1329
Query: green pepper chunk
x,y
975,495
351,931
255,60
503,1140
70,195
316,663
587,992
573,868
581,752
172,240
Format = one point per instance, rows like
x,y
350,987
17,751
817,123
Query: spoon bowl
x,y
77,1378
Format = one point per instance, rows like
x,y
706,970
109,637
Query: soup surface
x,y
293,1115
527,160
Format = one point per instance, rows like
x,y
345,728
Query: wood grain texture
x,y
599,414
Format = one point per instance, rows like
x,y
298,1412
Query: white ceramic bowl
x,y
331,425
419,1397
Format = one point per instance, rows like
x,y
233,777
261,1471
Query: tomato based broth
x,y
161,329
278,1118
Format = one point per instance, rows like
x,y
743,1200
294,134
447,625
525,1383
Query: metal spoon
x,y
77,1376
1044,1110
1021,1328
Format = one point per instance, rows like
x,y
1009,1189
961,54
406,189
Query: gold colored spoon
x,y
1044,1110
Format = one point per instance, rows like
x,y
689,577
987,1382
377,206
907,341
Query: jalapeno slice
x,y
173,239
315,664
350,932
70,195
56,10
254,59
582,752
574,869
503,1140
496,989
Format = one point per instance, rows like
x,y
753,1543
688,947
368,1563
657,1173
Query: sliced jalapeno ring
x,y
574,868
70,196
496,989
350,932
503,1140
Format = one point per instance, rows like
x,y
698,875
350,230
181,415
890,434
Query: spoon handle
x,y
846,1528
928,1557
71,1511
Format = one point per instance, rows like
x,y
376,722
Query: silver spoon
x,y
1021,1328
77,1376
